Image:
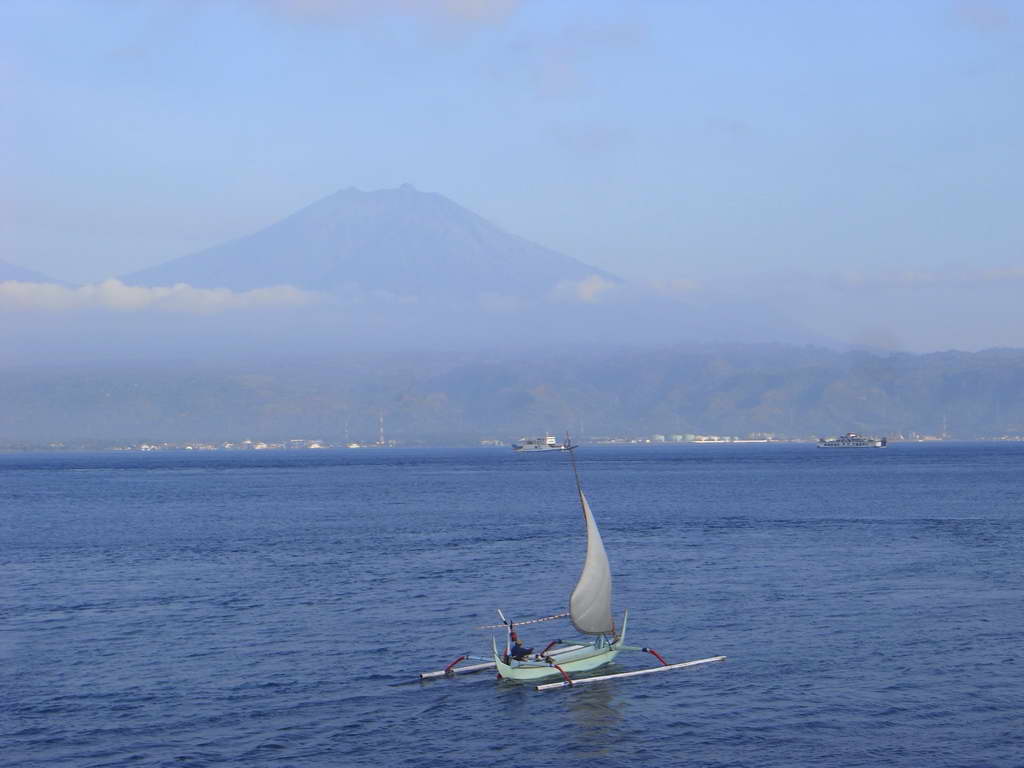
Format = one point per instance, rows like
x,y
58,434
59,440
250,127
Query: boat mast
x,y
572,456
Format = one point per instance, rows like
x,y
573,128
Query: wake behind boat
x,y
590,612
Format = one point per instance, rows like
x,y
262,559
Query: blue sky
x,y
690,140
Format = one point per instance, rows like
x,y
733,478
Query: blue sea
x,y
275,609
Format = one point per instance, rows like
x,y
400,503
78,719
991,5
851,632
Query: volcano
x,y
401,241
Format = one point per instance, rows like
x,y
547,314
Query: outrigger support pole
x,y
567,679
448,669
549,646
582,680
451,670
657,655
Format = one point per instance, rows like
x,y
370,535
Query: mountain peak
x,y
13,272
400,240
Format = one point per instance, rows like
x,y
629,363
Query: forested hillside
x,y
733,390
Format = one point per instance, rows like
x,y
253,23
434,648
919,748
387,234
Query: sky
x,y
804,154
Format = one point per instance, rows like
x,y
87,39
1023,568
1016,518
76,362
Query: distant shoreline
x,y
324,446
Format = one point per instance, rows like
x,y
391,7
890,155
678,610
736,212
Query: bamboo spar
x,y
457,670
582,680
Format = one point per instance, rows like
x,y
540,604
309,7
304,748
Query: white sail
x,y
590,606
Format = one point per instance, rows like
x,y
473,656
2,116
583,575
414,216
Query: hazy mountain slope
x,y
731,389
402,241
14,272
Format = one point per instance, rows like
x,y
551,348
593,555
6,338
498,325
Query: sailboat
x,y
590,612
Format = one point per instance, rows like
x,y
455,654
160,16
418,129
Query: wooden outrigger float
x,y
590,611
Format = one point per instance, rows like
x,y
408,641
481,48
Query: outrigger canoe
x,y
590,612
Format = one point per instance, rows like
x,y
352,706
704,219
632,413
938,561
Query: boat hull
x,y
577,661
852,440
546,443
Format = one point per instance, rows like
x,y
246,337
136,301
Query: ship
x,y
546,443
852,440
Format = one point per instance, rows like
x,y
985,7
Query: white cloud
x,y
590,290
1001,274
114,295
904,278
919,278
457,10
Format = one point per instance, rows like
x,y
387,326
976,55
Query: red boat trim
x,y
655,653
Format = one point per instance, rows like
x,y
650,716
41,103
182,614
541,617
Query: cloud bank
x,y
114,295
453,10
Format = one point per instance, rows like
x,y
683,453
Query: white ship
x,y
546,443
852,440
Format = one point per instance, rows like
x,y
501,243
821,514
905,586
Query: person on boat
x,y
518,652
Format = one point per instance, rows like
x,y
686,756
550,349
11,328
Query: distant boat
x,y
852,440
546,443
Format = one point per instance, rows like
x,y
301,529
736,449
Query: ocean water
x,y
275,609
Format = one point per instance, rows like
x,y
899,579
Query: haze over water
x,y
780,160
272,609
